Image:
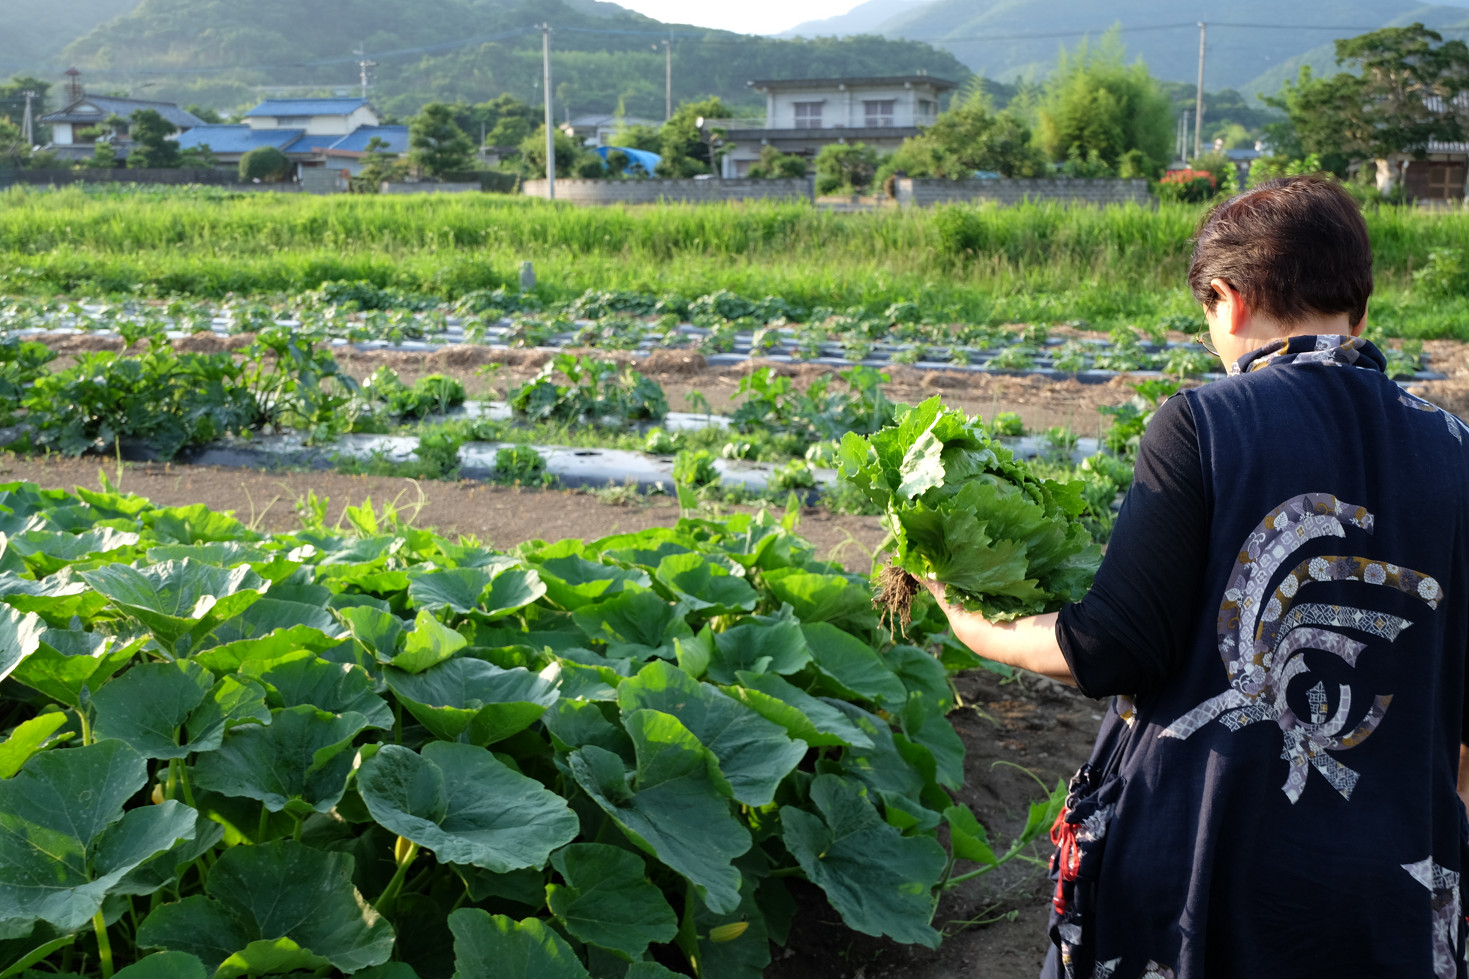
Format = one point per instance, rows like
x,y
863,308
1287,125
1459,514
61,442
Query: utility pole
x,y
668,79
550,128
25,120
1199,95
362,65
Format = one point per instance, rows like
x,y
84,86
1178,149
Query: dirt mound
x,y
678,363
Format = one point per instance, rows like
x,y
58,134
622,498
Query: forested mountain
x,y
226,55
33,33
1004,39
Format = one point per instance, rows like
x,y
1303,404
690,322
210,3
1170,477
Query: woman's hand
x,y
1028,643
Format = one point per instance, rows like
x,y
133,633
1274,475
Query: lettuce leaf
x,y
961,509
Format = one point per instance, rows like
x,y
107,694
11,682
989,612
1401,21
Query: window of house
x,y
808,115
927,108
878,113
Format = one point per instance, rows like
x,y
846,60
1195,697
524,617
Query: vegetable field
x,y
681,744
236,753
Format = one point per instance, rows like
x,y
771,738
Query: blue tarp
x,y
637,159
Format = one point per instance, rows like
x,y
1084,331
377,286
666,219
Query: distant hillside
x,y
1322,58
865,18
998,38
35,31
225,54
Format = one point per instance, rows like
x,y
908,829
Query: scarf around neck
x,y
1331,349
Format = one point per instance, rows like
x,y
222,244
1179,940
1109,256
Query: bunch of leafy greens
x,y
962,510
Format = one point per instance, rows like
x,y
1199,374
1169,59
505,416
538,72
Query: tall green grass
x,y
1034,262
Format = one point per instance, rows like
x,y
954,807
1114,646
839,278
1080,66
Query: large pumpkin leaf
x,y
759,644
672,807
294,898
880,881
813,720
490,946
46,552
64,838
743,954
473,698
164,965
20,636
753,754
29,737
636,623
68,662
608,901
465,805
57,597
299,762
853,669
426,645
706,586
487,594
273,614
836,598
178,601
148,705
572,581
376,632
337,688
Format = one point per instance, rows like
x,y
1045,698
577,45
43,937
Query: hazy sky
x,y
746,16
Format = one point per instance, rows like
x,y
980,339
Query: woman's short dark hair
x,y
1293,247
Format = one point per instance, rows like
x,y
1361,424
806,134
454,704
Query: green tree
x,y
264,164
533,154
199,157
509,131
1402,96
378,165
152,147
686,149
774,163
436,144
845,168
14,150
638,138
204,113
1094,102
966,137
104,156
13,101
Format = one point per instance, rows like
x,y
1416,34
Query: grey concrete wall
x,y
427,187
924,192
655,190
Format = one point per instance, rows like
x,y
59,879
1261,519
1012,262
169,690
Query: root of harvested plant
x,y
896,589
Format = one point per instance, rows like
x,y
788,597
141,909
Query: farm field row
x,y
1030,264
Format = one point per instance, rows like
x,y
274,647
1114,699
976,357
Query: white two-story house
x,y
802,116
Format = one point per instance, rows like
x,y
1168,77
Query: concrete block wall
x,y
925,192
655,190
427,187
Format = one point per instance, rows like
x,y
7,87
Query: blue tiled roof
x,y
356,141
238,139
306,107
108,106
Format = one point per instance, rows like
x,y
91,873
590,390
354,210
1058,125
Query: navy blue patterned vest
x,y
1285,805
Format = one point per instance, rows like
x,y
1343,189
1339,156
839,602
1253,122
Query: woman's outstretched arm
x,y
1028,643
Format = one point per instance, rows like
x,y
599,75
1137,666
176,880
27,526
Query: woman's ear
x,y
1230,306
